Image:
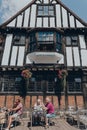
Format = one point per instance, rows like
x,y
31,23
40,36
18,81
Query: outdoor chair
x,y
2,124
82,118
22,119
71,115
3,120
54,119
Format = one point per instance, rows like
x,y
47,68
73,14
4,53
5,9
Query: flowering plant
x,y
26,73
62,73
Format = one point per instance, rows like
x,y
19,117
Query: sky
x,y
9,7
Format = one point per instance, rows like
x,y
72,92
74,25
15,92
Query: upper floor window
x,y
32,37
45,36
72,41
58,42
19,40
46,10
45,41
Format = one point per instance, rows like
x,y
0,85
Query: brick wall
x,y
71,101
30,100
80,102
2,101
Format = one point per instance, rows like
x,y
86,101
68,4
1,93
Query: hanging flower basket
x,y
62,74
26,73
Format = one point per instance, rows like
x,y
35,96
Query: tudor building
x,y
45,36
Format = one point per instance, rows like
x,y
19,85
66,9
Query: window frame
x,y
17,40
9,84
73,40
45,35
74,88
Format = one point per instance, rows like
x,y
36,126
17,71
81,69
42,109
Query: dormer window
x,y
45,10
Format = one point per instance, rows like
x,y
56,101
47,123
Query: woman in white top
x,y
37,112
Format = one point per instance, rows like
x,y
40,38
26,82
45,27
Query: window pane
x,y
10,83
45,11
40,12
71,87
19,40
51,8
22,40
74,85
51,13
58,38
50,87
45,36
32,47
58,47
74,40
68,41
78,87
40,7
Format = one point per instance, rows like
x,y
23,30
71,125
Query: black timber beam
x,y
75,31
22,30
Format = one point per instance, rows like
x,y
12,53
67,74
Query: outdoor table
x,y
43,114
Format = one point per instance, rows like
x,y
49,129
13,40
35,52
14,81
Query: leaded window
x,y
72,40
19,40
74,85
32,43
45,36
45,41
42,83
46,10
10,83
58,43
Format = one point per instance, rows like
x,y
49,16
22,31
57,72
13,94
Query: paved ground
x,y
61,124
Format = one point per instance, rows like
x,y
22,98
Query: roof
x,y
28,16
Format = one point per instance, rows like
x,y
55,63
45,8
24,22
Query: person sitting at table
x,y
18,111
50,112
37,112
14,106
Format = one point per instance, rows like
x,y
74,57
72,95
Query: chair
x,y
82,118
3,120
23,119
53,120
2,124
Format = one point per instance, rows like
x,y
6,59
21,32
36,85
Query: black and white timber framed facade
x,y
44,37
